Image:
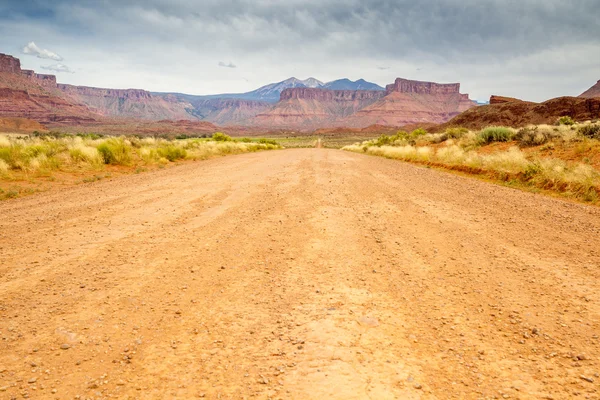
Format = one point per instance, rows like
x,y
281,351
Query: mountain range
x,y
271,93
291,104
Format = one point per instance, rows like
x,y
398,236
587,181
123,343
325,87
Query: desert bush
x,y
172,153
533,136
221,137
436,137
418,133
268,141
591,131
115,151
456,133
495,134
565,120
81,153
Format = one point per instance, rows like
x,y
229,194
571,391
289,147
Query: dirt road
x,y
306,273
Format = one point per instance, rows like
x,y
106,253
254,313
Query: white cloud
x,y
58,68
34,50
230,65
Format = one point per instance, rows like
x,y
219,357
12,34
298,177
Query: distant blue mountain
x,y
270,93
347,84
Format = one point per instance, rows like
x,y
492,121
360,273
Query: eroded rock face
x,y
592,92
501,99
404,102
330,95
130,94
409,86
10,64
522,113
40,79
130,103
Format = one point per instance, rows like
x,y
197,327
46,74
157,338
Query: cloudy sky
x,y
532,49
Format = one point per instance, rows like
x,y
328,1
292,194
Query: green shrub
x,y
383,140
268,141
495,134
172,153
565,120
418,133
115,151
245,140
590,131
221,137
456,133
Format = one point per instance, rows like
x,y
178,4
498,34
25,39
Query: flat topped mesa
x,y
102,92
408,86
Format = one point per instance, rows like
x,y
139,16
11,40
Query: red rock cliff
x,y
130,94
330,95
41,79
408,86
592,92
9,64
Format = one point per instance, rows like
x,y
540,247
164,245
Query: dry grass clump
x,y
41,155
578,179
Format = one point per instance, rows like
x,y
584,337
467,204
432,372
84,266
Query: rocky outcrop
x,y
414,102
501,99
12,65
40,79
9,64
522,113
592,92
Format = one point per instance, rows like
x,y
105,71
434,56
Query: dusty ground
x,y
306,273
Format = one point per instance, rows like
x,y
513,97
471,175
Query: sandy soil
x,y
307,273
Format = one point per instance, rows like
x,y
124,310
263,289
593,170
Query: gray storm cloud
x,y
529,48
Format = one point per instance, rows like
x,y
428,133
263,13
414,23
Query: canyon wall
x,y
9,64
408,86
330,95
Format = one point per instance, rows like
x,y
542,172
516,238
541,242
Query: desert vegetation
x,y
41,156
563,158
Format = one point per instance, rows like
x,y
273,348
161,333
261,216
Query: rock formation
x,y
414,102
9,64
518,113
408,86
308,108
330,95
501,99
403,102
128,103
592,92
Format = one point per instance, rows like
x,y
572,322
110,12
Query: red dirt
x,y
299,274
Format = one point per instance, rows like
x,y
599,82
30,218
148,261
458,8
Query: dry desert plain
x,y
298,274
